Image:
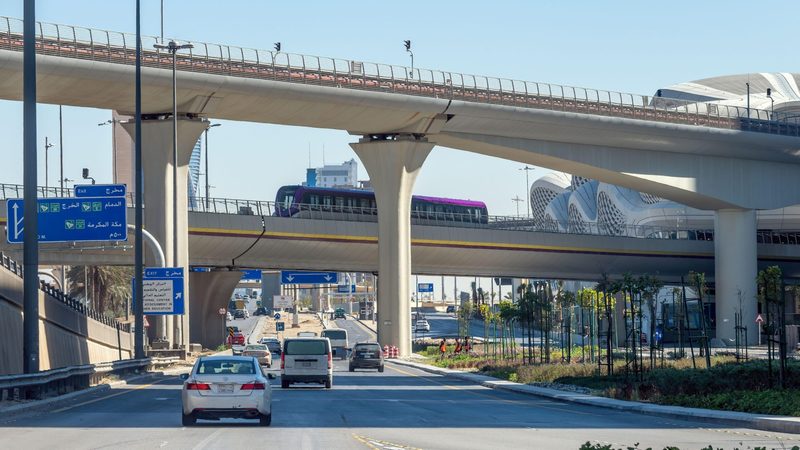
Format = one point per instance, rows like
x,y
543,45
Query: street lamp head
x,y
214,125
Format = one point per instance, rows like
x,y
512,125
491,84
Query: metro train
x,y
304,201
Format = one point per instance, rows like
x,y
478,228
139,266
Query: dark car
x,y
262,311
339,314
451,309
274,345
239,314
366,355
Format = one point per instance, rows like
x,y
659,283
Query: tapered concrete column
x,y
157,152
393,164
735,271
210,292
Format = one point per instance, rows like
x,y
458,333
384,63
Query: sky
x,y
628,46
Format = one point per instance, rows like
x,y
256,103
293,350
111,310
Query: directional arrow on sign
x,y
290,278
17,222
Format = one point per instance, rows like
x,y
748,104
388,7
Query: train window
x,y
365,203
314,200
372,204
326,200
339,201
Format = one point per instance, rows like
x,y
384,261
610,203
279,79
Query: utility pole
x,y
47,146
61,157
517,200
30,326
527,188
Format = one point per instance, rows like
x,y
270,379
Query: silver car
x,y
226,386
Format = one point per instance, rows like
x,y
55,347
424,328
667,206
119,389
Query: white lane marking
x,y
202,444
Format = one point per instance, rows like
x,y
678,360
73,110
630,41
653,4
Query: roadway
x,y
401,408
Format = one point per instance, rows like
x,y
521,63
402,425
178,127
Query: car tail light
x,y
330,361
198,387
283,361
253,387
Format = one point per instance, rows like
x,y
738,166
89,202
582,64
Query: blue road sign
x,y
424,287
345,289
277,316
251,274
308,277
279,326
163,291
87,219
100,190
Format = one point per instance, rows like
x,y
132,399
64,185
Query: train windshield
x,y
286,197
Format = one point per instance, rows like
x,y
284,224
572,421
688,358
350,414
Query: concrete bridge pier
x,y
211,291
735,268
393,162
157,157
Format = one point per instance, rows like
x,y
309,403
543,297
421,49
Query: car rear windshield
x,y
226,367
334,334
256,347
368,348
306,348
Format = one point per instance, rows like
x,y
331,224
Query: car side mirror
x,y
184,376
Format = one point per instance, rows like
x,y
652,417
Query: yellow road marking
x,y
89,402
376,444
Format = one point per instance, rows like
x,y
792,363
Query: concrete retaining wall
x,y
66,337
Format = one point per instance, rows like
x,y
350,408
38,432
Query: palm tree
x,y
105,288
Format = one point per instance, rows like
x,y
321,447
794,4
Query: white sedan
x,y
226,386
422,325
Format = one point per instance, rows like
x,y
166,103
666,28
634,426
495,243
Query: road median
x,y
782,424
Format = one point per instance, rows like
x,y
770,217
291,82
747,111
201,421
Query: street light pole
x,y
207,183
138,309
173,48
528,188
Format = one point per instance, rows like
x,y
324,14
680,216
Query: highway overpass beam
x,y
735,267
157,147
393,162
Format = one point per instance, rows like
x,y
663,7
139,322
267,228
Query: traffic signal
x,y
658,93
407,43
769,92
277,46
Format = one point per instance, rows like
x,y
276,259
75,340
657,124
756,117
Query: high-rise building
x,y
341,175
193,180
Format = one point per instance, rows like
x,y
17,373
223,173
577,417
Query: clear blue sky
x,y
630,46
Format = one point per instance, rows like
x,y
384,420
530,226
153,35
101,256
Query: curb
x,y
364,324
781,424
37,404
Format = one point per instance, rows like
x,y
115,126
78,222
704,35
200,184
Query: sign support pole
x,y
30,345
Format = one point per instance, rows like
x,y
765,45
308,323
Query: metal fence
x,y
432,218
119,48
62,297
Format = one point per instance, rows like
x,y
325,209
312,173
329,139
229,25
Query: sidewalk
x,y
781,424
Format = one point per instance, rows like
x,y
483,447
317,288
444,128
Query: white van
x,y
338,338
307,360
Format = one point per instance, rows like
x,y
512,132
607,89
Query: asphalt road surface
x,y
400,408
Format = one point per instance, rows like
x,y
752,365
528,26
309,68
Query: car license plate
x,y
366,355
225,388
306,364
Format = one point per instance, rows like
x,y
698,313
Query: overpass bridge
x,y
703,154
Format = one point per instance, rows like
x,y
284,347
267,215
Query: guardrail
x,y
67,379
119,48
62,297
